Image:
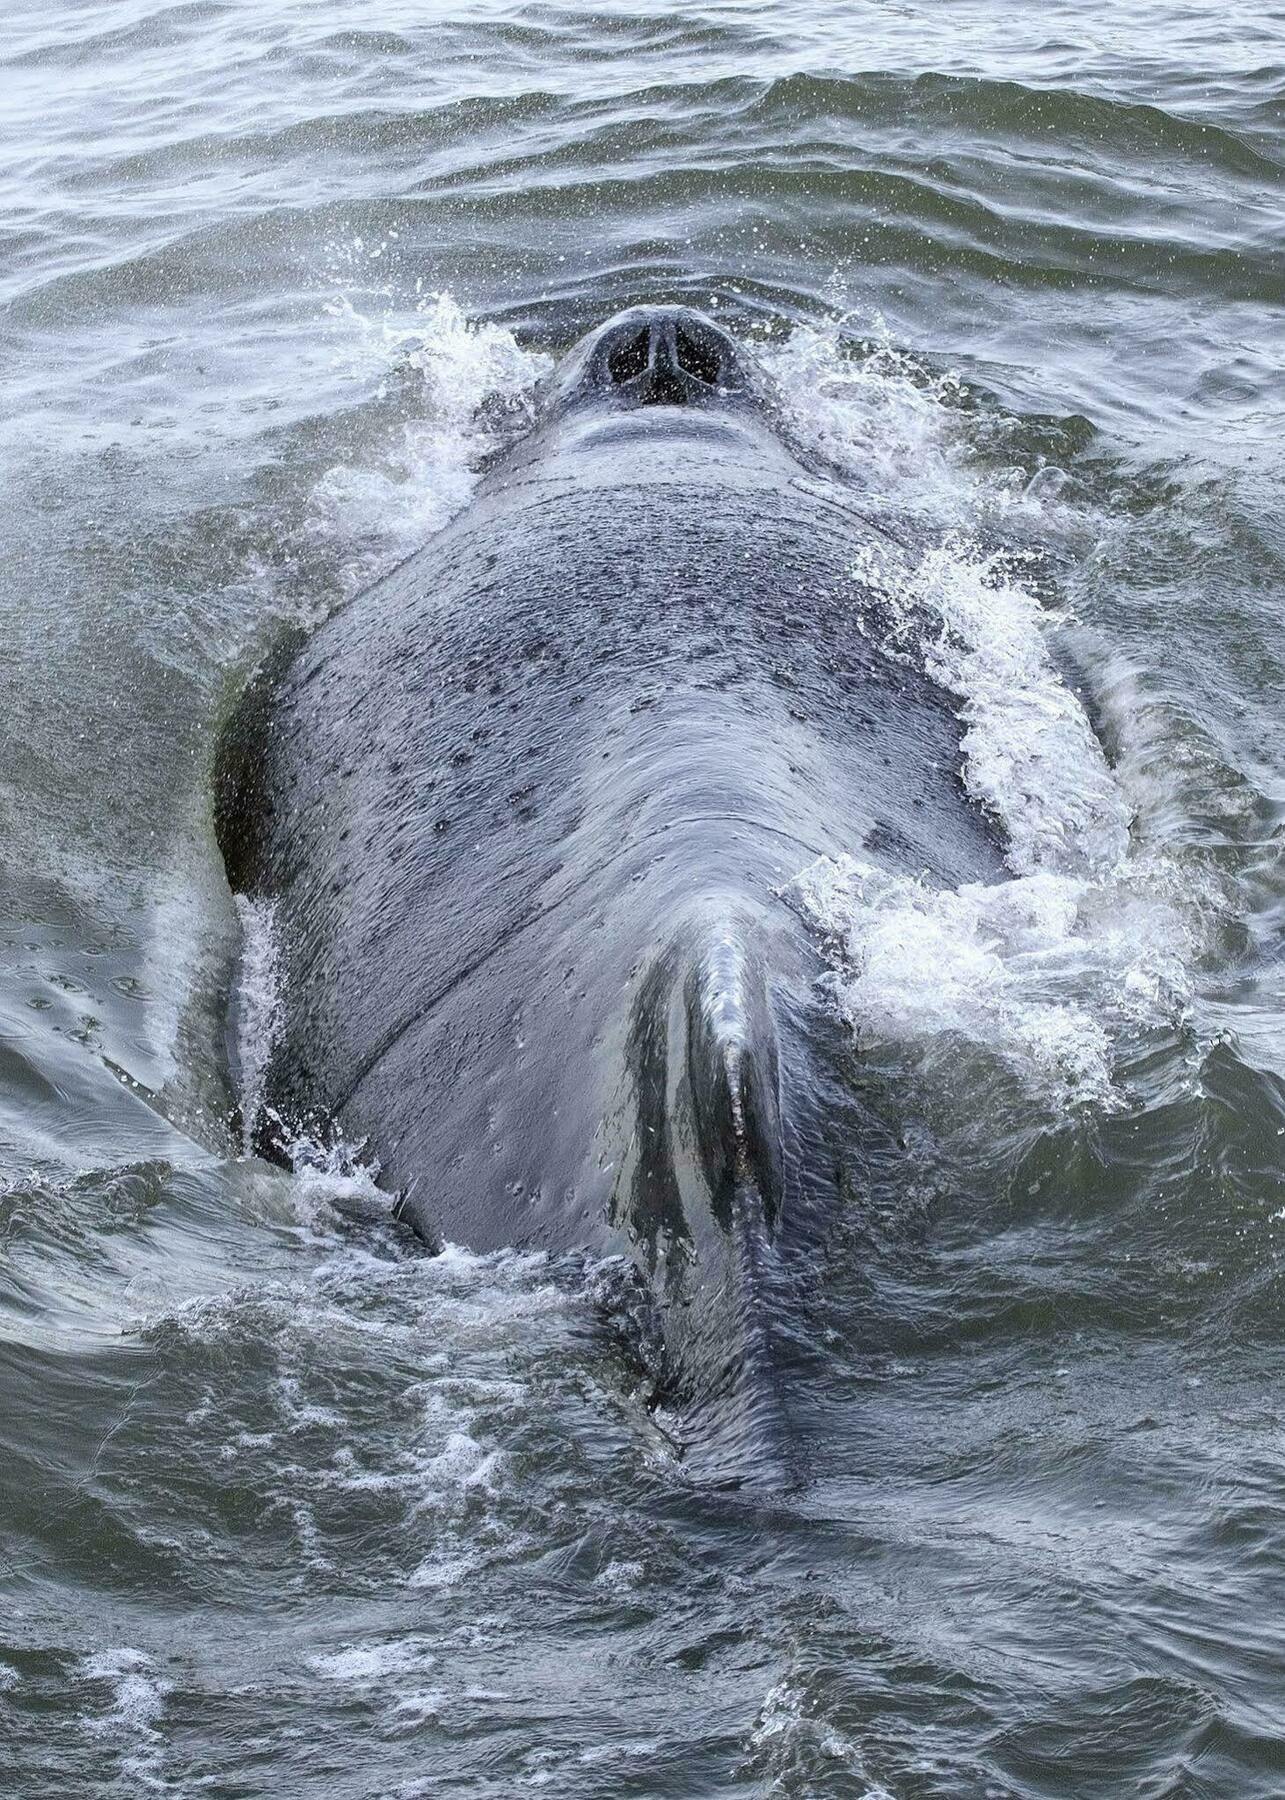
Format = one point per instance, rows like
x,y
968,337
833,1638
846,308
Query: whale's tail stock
x,y
707,1194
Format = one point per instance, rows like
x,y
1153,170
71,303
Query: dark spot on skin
x,y
885,836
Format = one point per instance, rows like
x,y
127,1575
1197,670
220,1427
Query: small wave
x,y
473,387
1084,125
130,1723
1041,972
1096,935
794,1743
385,1386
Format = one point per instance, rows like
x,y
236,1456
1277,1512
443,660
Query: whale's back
x,y
528,811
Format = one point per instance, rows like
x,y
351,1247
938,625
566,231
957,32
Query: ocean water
x,y
288,1507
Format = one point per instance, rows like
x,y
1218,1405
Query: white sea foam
x,y
788,1737
130,1722
905,436
383,1382
881,419
1097,932
470,388
439,1572
361,1663
620,1577
390,1671
332,1176
1030,755
1042,972
258,1012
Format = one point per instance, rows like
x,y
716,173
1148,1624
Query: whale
x,y
528,812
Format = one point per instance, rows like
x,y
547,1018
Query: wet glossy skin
x,y
530,808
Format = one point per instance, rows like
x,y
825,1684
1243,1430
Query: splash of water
x,y
258,1010
469,389
1097,933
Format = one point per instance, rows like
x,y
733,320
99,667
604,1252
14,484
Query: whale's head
x,y
653,393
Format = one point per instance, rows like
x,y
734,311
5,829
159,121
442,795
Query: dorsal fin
x,y
705,1200
733,1071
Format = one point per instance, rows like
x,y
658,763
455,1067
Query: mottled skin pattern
x,y
526,808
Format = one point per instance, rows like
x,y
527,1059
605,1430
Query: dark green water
x,y
288,1509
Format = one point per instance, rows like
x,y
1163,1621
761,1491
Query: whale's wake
x,y
1052,975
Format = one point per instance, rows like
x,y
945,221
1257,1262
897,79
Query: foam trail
x,y
453,1348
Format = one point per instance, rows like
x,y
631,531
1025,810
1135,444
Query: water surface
x,y
287,1507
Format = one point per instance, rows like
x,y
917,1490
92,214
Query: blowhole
x,y
696,359
629,359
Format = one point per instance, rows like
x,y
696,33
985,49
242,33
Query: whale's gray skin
x,y
526,808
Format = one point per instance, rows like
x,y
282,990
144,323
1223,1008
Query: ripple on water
x,y
285,1503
